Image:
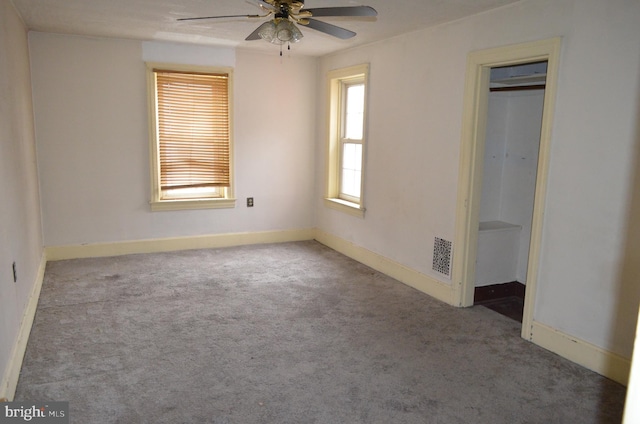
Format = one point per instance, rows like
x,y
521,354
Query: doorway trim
x,y
479,64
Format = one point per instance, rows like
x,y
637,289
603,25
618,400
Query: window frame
x,y
338,81
222,197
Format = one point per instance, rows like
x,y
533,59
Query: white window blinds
x,y
193,129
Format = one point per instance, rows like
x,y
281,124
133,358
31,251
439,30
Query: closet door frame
x,y
479,66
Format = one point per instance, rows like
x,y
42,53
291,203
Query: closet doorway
x,y
492,169
512,142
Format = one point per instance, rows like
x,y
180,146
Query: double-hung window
x,y
346,144
191,142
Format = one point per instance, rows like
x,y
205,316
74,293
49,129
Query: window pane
x,y
351,169
354,114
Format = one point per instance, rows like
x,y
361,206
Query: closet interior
x,y
514,119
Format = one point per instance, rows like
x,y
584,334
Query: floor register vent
x,y
442,256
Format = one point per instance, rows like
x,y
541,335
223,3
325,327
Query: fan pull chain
x,y
288,48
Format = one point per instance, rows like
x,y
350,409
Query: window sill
x,y
177,205
345,206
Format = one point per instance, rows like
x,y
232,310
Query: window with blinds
x,y
192,135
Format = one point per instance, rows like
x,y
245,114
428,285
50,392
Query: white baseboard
x,y
402,273
12,371
55,253
583,353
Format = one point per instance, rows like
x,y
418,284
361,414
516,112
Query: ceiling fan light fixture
x,y
268,31
281,32
287,32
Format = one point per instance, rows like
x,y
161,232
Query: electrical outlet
x,y
15,273
249,202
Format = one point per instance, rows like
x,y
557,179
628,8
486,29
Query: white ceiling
x,y
156,20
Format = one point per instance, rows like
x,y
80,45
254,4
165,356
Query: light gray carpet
x,y
286,333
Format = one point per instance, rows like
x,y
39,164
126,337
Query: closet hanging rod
x,y
519,88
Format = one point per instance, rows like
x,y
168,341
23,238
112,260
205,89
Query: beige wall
x,y
91,118
20,227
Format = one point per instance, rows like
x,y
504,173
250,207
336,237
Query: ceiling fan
x,y
286,14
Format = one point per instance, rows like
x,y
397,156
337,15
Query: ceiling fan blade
x,y
263,5
254,35
220,17
330,29
343,11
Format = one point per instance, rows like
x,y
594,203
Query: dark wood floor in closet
x,y
506,299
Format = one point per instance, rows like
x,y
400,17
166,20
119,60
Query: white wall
x,y
20,226
514,120
415,115
524,122
494,151
91,121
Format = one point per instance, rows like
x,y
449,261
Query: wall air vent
x,y
442,256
